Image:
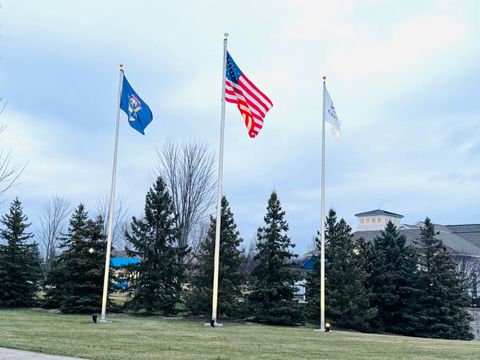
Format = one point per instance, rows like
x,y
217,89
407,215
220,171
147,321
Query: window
x,y
367,220
379,220
362,221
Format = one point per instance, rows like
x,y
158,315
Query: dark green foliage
x,y
75,281
273,296
443,296
392,268
347,299
154,240
199,299
20,268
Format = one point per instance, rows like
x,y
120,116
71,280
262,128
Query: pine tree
x,y
199,299
443,295
20,269
312,287
347,299
273,296
75,281
154,240
392,281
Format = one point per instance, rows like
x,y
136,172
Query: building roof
x,y
456,244
469,232
379,212
119,253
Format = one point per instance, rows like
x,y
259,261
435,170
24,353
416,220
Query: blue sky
x,y
404,78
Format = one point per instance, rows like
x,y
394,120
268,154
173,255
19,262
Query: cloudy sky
x,y
404,77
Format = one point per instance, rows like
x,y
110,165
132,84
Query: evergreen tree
x,y
154,240
443,295
273,296
392,281
347,299
75,281
199,300
20,268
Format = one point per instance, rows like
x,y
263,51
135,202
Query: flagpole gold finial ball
x,y
121,66
324,78
226,34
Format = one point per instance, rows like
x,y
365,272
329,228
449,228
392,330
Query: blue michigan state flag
x,y
139,114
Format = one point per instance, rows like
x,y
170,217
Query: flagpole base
x,y
213,323
325,330
102,321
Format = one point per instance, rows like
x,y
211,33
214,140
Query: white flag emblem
x,y
330,115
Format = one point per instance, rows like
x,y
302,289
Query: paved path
x,y
11,354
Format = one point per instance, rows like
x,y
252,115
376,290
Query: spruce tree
x,y
20,269
392,281
199,299
154,240
347,299
312,286
273,295
75,281
443,295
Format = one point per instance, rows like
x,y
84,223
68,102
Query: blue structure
x,y
120,262
310,262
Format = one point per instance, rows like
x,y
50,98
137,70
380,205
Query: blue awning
x,y
117,262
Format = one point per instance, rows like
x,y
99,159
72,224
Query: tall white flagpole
x,y
322,216
216,260
112,204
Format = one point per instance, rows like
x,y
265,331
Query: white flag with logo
x,y
330,115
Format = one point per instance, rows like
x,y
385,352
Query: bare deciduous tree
x,y
249,262
52,223
9,172
119,223
197,237
475,312
468,268
189,173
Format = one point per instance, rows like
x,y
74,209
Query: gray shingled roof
x,y
379,212
470,232
456,244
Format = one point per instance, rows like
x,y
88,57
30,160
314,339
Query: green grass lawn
x,y
154,338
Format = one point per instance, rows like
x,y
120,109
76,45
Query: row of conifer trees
x,y
386,285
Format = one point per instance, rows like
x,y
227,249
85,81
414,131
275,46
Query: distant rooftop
x,y
470,232
466,243
379,212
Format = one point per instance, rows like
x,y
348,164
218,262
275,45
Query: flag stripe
x,y
243,93
240,100
251,102
243,105
257,90
255,99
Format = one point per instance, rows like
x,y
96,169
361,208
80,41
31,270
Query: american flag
x,y
252,103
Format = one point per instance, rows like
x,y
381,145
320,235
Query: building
x,y
376,220
119,264
462,241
